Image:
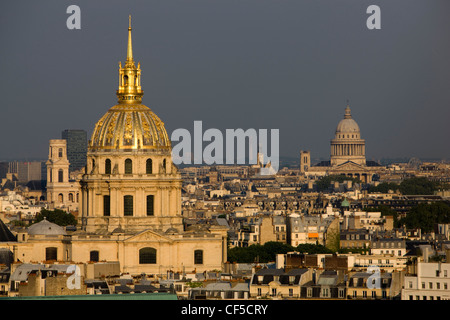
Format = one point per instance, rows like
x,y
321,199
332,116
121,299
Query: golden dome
x,y
129,125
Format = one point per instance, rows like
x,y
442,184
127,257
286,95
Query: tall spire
x,y
130,90
130,46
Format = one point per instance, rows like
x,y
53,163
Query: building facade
x,y
431,281
312,229
130,197
347,156
62,193
131,191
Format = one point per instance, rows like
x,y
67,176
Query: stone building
x,y
130,199
428,281
261,229
279,284
392,246
347,156
374,286
62,193
308,229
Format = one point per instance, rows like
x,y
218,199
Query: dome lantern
x,y
130,90
129,125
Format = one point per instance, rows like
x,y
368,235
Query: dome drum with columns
x,y
130,182
130,199
347,156
347,144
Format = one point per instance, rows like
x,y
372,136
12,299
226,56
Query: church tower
x,y
61,193
130,181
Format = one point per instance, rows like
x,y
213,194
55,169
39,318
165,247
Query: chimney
x,y
425,254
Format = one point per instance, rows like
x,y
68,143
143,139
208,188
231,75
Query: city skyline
x,y
289,66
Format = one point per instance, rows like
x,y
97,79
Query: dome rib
x,y
347,125
129,127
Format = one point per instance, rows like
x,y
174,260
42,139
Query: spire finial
x,y
129,47
130,90
348,113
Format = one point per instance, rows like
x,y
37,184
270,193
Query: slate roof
x,y
5,234
283,277
6,256
21,273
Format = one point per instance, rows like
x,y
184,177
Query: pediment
x,y
149,235
349,166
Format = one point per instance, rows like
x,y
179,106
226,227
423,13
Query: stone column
x,y
91,201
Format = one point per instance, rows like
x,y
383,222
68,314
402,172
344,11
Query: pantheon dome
x,y
347,144
348,154
347,127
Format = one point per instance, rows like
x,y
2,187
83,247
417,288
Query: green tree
x,y
258,253
425,215
312,248
324,183
57,216
383,187
411,186
417,185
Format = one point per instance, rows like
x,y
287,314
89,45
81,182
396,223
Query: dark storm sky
x,y
264,64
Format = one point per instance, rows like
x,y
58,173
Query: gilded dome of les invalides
x,y
129,125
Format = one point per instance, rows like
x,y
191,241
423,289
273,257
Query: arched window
x,y
164,164
198,257
51,253
71,197
128,166
60,152
125,80
128,205
60,197
149,166
94,256
60,175
107,166
147,256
